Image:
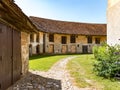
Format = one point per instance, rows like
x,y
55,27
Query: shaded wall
x,y
24,51
113,21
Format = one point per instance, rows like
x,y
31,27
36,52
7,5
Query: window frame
x,y
89,39
97,40
64,40
51,37
37,38
31,37
72,39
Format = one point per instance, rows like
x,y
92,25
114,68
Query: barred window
x,y
31,37
64,40
37,38
97,40
89,39
51,37
72,39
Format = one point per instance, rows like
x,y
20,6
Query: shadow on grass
x,y
39,56
49,55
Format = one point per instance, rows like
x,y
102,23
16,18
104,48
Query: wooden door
x,y
85,49
5,57
17,64
51,48
10,56
0,57
73,49
44,43
64,49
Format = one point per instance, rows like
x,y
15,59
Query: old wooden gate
x,y
51,48
64,49
10,56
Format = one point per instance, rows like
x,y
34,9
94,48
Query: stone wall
x,y
72,47
112,3
57,48
24,52
113,21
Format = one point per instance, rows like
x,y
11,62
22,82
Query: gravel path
x,y
57,78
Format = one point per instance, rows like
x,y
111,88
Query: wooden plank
x,y
51,48
0,57
7,57
17,63
64,49
5,60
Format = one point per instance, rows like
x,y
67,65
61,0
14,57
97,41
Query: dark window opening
x,y
72,39
37,38
51,37
31,37
64,40
97,40
44,43
37,49
89,39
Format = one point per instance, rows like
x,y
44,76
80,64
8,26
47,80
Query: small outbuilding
x,y
15,27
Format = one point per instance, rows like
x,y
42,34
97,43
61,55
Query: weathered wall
x,y
41,41
112,3
113,21
24,51
58,48
72,47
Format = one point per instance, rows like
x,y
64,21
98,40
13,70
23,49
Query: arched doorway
x,y
38,49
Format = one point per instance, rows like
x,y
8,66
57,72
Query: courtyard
x,y
64,72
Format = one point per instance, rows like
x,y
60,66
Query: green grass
x,y
81,69
43,62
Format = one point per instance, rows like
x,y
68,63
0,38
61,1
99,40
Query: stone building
x,y
60,37
113,21
15,28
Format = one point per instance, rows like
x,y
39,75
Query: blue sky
x,y
91,11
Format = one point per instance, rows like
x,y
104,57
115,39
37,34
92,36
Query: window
x,y
31,37
37,38
51,37
89,39
97,40
72,39
64,40
37,49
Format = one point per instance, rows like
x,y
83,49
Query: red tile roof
x,y
54,26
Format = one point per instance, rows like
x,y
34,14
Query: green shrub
x,y
108,60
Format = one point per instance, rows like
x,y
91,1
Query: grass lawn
x,y
81,69
43,62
